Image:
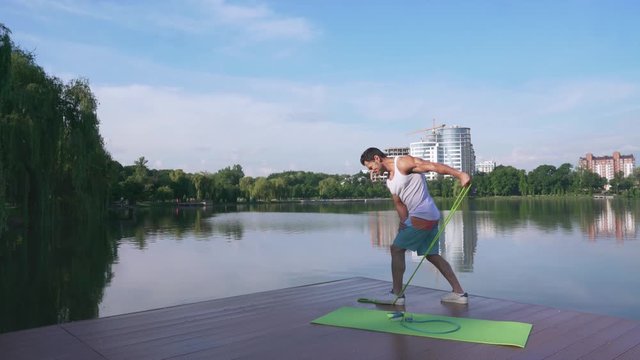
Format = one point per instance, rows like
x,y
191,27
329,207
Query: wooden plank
x,y
608,329
216,332
617,346
307,340
122,323
127,327
50,342
631,354
560,337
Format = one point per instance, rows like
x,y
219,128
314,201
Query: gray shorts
x,y
417,240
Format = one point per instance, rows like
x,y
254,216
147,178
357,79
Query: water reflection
x,y
383,227
489,218
611,222
52,275
457,241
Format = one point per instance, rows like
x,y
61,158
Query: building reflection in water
x,y
383,227
458,246
609,223
600,220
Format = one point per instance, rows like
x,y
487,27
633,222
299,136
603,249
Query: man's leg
x,y
445,269
397,268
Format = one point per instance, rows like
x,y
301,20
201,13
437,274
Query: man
x,y
419,217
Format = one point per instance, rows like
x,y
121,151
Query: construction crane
x,y
431,128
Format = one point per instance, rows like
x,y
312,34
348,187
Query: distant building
x,y
446,145
396,151
485,166
608,166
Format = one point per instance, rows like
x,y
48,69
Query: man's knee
x,y
397,250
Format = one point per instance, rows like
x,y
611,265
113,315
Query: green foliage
x,y
141,170
246,186
506,181
620,184
549,180
588,182
164,193
329,188
262,189
52,156
229,185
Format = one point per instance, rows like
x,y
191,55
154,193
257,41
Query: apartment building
x,y
608,166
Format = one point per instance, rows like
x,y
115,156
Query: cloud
x,y
49,8
262,22
272,125
526,125
256,21
187,130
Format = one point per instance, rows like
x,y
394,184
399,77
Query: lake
x,y
571,253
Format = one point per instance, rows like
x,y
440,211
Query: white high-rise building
x,y
485,166
447,145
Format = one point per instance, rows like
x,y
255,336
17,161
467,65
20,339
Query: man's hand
x,y
465,179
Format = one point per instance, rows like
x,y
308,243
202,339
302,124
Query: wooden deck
x,y
276,325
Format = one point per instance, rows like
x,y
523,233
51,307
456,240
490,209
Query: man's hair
x,y
368,154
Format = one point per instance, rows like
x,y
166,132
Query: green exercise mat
x,y
440,327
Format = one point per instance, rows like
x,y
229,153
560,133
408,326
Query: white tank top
x,y
412,190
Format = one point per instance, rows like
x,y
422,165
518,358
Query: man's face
x,y
374,166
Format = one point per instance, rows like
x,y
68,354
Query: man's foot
x,y
455,298
390,299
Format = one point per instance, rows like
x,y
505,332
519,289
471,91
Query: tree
x,y
541,180
280,187
246,187
87,162
563,179
505,180
141,170
329,188
588,182
482,185
620,183
5,62
227,183
262,189
180,184
164,193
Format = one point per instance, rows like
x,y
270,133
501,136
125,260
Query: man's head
x,y
372,159
370,153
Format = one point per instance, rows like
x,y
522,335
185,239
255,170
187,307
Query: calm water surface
x,y
579,254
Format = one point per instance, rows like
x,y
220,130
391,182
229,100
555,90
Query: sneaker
x,y
389,299
455,298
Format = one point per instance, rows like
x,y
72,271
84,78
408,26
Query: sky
x,y
283,85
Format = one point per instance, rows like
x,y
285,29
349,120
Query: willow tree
x,y
85,162
31,127
5,61
51,152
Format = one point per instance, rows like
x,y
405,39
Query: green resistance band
x,y
406,319
454,208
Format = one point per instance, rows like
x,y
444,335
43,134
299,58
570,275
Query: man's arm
x,y
409,164
401,208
